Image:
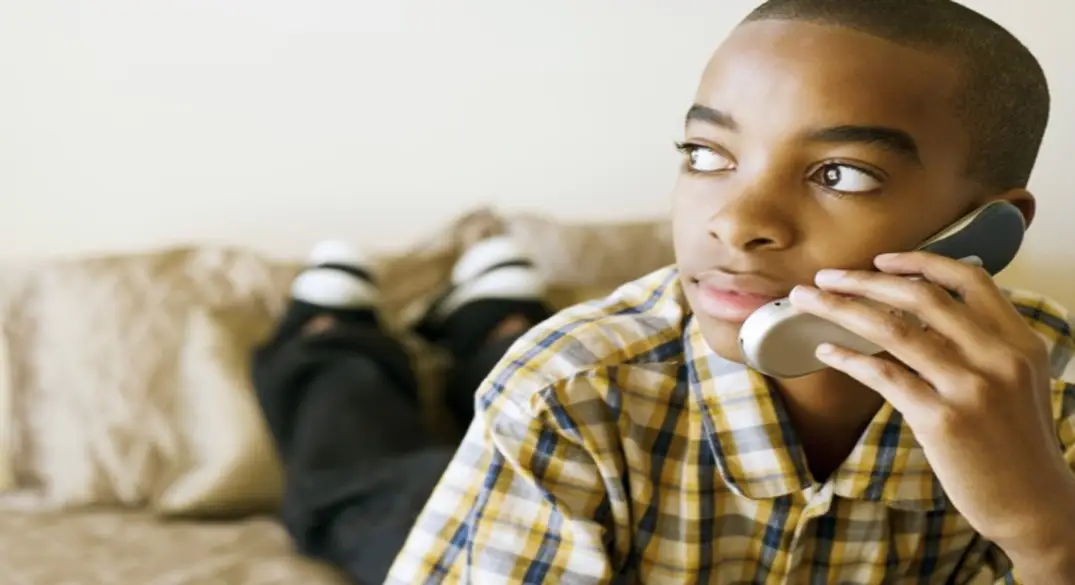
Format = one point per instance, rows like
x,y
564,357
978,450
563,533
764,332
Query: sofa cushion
x,y
7,415
112,547
101,357
226,464
95,346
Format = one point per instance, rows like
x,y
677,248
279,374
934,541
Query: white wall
x,y
273,123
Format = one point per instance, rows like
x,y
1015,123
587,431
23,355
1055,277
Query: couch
x,y
131,448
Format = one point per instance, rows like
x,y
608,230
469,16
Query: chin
x,y
722,337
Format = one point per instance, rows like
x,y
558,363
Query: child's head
x,y
826,132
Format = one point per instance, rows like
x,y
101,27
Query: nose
x,y
754,222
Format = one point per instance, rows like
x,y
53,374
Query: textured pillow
x,y
95,347
12,287
594,255
226,464
7,418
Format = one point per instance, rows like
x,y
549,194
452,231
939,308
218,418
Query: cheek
x,y
689,217
851,232
682,198
858,240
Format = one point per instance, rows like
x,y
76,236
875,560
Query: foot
x,y
484,226
337,286
496,292
337,277
492,267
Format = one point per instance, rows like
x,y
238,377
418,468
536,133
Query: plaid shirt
x,y
612,445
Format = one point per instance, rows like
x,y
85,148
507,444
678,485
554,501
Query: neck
x,y
831,396
829,411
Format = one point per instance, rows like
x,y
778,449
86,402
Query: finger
x,y
972,283
931,303
905,391
928,353
990,308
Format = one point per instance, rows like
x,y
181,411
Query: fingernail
x,y
829,276
825,350
886,257
803,293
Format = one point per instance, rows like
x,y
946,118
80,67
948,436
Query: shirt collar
x,y
758,453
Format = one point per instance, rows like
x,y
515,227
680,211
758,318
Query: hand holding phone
x,y
779,341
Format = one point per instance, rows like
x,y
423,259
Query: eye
x,y
846,179
702,159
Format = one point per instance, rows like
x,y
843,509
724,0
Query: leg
x,y
482,349
340,401
497,295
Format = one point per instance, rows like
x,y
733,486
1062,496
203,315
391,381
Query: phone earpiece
x,y
992,233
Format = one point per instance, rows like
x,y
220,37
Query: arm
x,y
520,502
977,388
1050,558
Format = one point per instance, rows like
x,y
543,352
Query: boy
x,y
624,441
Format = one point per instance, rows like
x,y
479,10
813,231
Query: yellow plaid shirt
x,y
611,445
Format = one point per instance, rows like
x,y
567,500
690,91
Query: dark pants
x,y
359,463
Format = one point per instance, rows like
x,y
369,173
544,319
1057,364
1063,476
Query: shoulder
x,y
1052,322
640,322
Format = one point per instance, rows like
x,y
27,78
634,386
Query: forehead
x,y
791,75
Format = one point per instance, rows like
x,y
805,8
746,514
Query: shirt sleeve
x,y
995,568
1062,348
523,501
1053,324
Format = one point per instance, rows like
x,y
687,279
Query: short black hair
x,y
1004,102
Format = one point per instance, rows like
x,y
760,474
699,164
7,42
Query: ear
x,y
1023,200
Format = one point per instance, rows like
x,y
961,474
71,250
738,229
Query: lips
x,y
733,298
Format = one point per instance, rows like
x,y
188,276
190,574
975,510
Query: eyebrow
x,y
711,116
892,139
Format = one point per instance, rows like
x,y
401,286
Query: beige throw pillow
x,y
7,417
227,464
94,357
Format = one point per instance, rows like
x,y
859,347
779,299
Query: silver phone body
x,y
779,341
